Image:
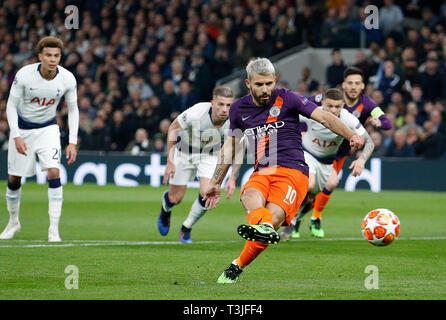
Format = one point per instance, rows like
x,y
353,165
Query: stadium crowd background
x,y
140,63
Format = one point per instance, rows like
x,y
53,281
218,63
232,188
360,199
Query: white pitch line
x,y
96,243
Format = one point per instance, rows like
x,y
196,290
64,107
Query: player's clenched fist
x,y
356,141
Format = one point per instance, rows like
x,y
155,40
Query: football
x,y
380,227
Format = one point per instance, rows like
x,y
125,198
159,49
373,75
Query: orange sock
x,y
319,204
260,215
251,250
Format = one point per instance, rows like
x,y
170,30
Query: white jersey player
x,y
320,147
31,112
194,142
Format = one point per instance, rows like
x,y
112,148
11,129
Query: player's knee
x,y
53,173
14,183
331,185
175,198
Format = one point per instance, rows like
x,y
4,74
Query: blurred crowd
x,y
139,64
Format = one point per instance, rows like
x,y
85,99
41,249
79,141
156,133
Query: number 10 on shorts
x,y
290,196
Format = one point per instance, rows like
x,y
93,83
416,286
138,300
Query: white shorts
x,y
322,172
43,142
187,166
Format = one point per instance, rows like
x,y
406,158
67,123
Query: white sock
x,y
195,213
55,199
13,204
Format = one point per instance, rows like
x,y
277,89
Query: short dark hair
x,y
50,42
353,70
334,94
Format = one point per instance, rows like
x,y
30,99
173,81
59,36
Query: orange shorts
x,y
283,186
338,164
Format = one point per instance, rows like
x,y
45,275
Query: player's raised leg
x,y
267,210
13,193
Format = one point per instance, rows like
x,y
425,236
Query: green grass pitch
x,y
110,235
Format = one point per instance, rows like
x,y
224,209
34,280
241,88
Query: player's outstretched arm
x,y
357,166
337,126
227,152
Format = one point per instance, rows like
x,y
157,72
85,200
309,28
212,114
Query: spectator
x,y
99,138
170,100
334,72
119,132
140,145
159,145
388,81
431,81
408,68
344,26
380,149
187,96
200,76
437,121
432,145
364,65
243,53
283,34
147,115
261,45
391,19
378,97
328,28
136,82
409,124
201,42
312,83
222,64
399,147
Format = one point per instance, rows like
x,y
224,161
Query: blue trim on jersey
x,y
27,125
38,69
326,160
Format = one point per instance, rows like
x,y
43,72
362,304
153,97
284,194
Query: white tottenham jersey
x,y
39,97
202,135
324,143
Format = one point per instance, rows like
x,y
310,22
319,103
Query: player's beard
x,y
260,101
352,98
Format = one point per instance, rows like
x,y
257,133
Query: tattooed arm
x,y
225,159
357,166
